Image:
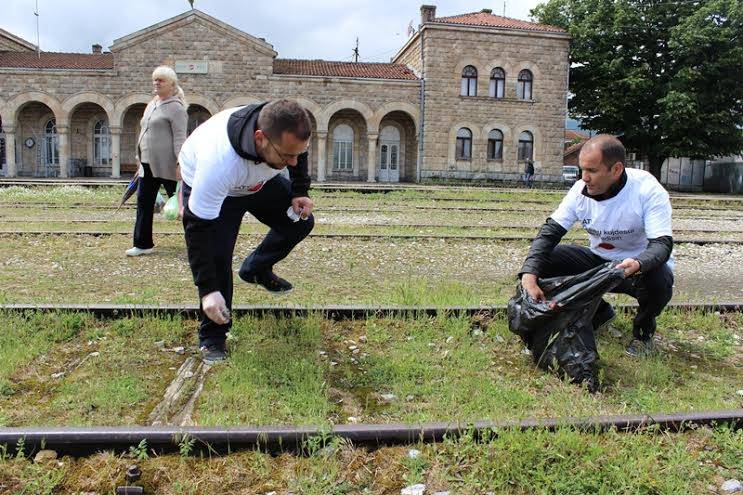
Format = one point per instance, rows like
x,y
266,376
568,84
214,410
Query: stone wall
x,y
411,56
447,51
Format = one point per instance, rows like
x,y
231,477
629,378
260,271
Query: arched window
x,y
343,147
101,143
464,144
495,145
51,143
524,84
469,81
497,83
526,146
196,116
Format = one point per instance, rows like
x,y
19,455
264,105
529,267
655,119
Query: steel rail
x,y
87,440
455,237
331,312
388,209
348,186
38,204
366,224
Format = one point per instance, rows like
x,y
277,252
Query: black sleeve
x,y
200,235
300,177
541,247
657,253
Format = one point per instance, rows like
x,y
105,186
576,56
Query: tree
x,y
663,74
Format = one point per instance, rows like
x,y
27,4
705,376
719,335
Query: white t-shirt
x,y
620,227
214,170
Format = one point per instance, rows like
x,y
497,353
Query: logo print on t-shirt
x,y
607,246
257,187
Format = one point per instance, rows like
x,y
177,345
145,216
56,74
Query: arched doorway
x,y
197,115
38,152
90,141
397,148
129,135
389,154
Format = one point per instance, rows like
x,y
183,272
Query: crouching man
x,y
627,215
230,165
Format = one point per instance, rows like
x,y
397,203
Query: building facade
x,y
468,97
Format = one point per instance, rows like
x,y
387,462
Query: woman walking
x,y
163,131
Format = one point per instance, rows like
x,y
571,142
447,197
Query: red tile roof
x,y
326,68
574,148
52,60
490,20
571,135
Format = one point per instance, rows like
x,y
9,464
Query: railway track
x,y
332,312
366,224
80,441
453,237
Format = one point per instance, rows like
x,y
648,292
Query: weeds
x,y
139,452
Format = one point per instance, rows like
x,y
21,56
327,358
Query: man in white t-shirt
x,y
627,215
231,165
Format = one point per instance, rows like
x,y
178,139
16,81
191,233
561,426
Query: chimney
x,y
487,11
97,48
428,13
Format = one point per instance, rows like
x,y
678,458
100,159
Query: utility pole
x,y
36,13
504,8
356,51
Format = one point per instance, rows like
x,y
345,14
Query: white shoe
x,y
135,251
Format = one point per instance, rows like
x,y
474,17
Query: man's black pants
x,y
268,206
652,290
146,195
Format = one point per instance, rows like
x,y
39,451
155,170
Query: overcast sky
x,y
307,29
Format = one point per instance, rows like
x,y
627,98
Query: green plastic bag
x,y
170,210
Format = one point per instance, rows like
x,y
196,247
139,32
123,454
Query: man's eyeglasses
x,y
285,157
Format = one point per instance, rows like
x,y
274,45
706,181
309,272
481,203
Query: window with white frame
x,y
101,143
526,146
343,147
464,144
51,143
524,85
495,145
497,83
469,81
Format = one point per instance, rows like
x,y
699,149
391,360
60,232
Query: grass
x,y
283,371
77,370
314,371
511,462
306,371
95,269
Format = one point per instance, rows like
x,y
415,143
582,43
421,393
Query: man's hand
x,y
630,266
303,205
216,308
529,283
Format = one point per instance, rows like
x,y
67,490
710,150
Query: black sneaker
x,y
640,348
269,281
605,314
213,354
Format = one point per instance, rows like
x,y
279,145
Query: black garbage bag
x,y
559,332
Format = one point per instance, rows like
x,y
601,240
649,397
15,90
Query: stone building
x,y
469,97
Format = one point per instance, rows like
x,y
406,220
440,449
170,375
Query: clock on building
x,y
29,142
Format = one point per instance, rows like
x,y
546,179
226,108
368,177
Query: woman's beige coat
x,y
163,131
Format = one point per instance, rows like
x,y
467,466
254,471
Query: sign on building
x,y
191,67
